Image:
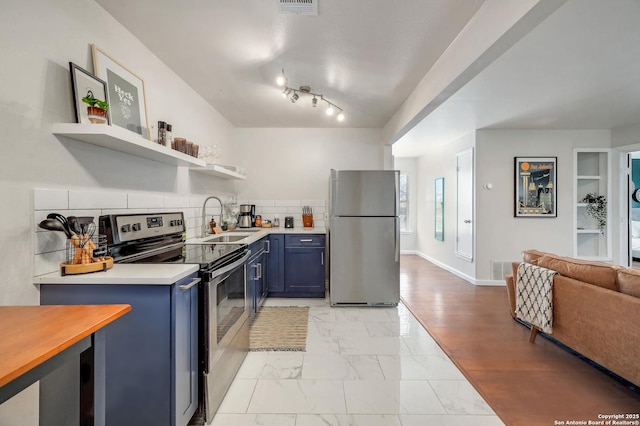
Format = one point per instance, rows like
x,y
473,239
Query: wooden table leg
x,y
534,333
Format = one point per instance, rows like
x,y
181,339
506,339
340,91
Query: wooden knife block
x,y
307,220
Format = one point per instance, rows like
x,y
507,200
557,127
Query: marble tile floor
x,y
362,367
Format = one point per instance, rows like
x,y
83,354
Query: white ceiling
x,y
366,56
578,69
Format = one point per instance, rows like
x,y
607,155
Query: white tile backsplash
x,y
48,262
287,203
49,247
174,201
50,199
97,200
49,241
313,203
145,201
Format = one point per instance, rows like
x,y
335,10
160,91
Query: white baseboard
x,y
460,274
498,283
408,252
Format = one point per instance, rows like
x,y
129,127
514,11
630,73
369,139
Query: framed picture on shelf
x,y
535,187
125,90
88,92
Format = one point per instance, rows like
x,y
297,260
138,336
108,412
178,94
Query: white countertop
x,y
150,274
163,273
254,234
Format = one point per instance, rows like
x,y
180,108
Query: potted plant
x,y
597,208
97,109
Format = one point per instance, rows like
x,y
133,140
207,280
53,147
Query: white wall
x,y
499,235
295,163
441,162
39,38
408,238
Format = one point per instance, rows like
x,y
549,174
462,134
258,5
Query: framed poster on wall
x,y
535,187
125,91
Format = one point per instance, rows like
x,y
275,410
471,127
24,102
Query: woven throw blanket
x,y
534,296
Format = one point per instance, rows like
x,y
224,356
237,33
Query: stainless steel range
x,y
223,305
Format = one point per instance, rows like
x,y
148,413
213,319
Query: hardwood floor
x,y
525,384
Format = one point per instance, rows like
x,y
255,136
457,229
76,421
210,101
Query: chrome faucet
x,y
204,219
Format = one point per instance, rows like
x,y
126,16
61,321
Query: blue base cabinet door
x,y
275,276
185,351
304,265
151,355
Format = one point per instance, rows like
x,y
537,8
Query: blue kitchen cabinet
x,y
304,265
257,274
151,357
275,262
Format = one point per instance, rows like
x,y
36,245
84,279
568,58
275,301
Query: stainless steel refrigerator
x,y
364,238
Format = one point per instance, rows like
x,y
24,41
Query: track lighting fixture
x,y
306,90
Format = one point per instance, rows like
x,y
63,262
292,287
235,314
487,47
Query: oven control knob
x,y
125,228
136,227
179,222
172,223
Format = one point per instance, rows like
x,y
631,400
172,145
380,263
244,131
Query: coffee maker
x,y
247,216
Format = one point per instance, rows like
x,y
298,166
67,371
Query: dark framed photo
x,y
536,187
127,103
86,85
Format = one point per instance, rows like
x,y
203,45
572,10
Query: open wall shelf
x,y
219,171
123,140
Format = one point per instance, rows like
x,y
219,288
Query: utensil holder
x,y
86,254
307,220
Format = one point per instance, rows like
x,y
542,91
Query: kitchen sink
x,y
225,238
245,231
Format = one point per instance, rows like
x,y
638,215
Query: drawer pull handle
x,y
191,284
306,240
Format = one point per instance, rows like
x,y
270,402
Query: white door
x,y
464,212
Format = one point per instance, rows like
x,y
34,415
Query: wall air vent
x,y
298,7
501,269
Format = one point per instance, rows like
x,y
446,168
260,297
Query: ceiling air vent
x,y
298,7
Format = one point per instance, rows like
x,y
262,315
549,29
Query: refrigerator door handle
x,y
397,238
397,183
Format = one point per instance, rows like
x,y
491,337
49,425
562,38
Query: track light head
x,y
281,80
294,98
329,111
314,102
340,116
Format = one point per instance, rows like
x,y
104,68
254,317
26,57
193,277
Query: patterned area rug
x,y
279,329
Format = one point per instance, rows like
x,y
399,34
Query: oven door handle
x,y
190,285
231,267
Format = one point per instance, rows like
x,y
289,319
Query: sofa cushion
x,y
532,256
629,281
596,273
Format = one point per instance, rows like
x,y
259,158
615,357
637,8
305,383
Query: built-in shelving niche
x,y
592,174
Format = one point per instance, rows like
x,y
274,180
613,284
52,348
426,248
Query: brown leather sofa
x,y
596,310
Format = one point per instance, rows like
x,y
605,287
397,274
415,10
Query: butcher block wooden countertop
x,y
30,335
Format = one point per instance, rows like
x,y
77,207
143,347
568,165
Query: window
x,y
404,202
